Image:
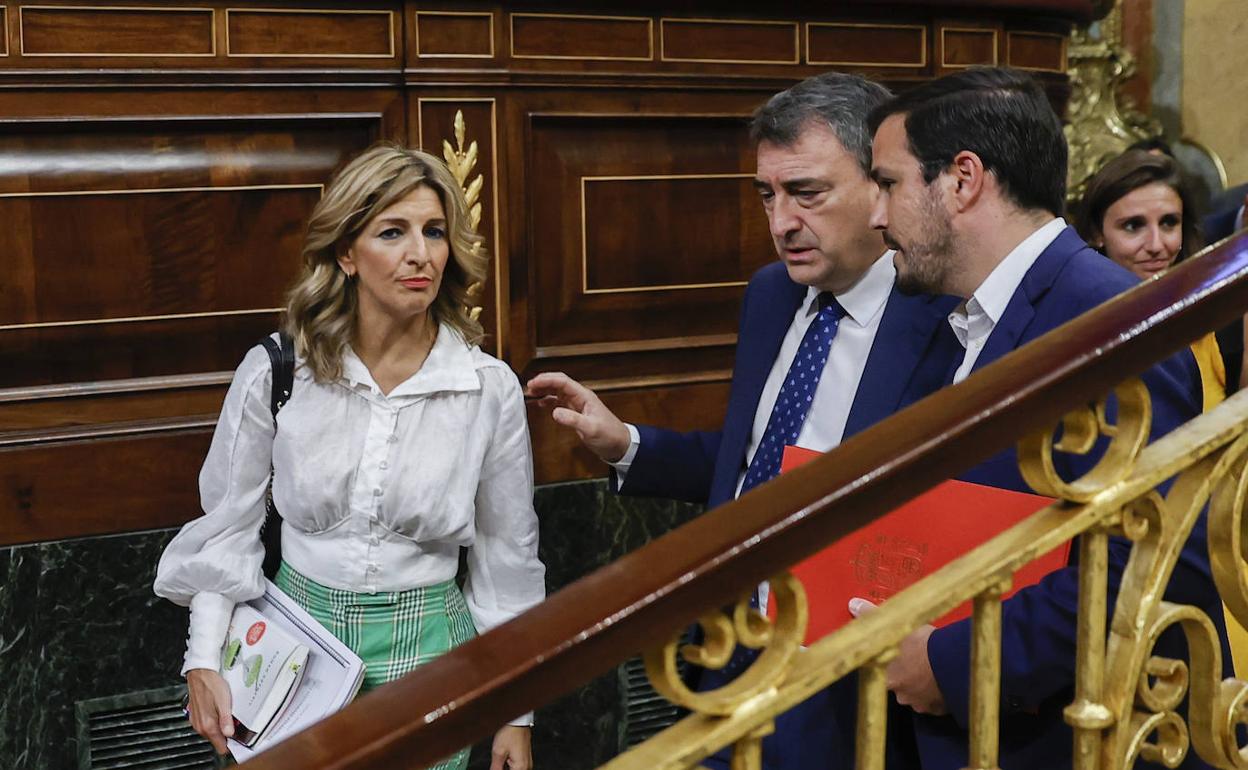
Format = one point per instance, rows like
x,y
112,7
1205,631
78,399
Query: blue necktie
x,y
796,394
786,420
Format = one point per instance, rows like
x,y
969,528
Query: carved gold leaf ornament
x,y
1100,122
1127,698
461,163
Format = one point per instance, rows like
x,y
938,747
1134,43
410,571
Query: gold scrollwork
x,y
778,640
1080,430
1102,122
461,162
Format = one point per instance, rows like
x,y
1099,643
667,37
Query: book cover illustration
x,y
262,664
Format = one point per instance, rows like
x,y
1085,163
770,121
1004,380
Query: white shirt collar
x,y
450,366
867,297
979,315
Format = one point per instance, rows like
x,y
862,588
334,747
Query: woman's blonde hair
x,y
321,306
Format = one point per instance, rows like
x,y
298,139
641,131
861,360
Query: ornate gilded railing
x,y
1123,694
1116,709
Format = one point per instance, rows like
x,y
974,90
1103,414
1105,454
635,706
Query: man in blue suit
x,y
972,171
826,347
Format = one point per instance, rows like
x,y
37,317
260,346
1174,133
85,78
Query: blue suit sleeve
x,y
672,464
1038,623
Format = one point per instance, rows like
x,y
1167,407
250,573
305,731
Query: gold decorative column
x,y
1102,123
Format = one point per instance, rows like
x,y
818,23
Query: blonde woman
x,y
401,442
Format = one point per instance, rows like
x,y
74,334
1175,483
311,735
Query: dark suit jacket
x,y
1038,623
703,467
1221,222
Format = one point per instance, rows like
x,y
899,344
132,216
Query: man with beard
x,y
826,348
972,171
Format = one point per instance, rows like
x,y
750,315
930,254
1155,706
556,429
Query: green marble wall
x,y
78,620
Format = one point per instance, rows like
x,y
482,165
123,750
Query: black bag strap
x,y
282,359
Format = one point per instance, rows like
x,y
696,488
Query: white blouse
x,y
377,492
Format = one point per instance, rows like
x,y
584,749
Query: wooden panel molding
x,y
962,46
186,270
1037,51
94,403
855,44
79,486
624,217
729,41
620,245
454,34
86,30
320,33
187,234
581,37
4,31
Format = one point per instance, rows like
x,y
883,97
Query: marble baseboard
x,y
78,620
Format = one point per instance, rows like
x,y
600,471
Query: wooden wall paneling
x,y
433,119
150,243
963,43
1036,51
658,202
443,34
317,33
581,37
4,31
173,224
868,45
80,405
96,487
729,41
103,31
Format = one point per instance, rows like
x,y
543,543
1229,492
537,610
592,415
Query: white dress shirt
x,y
377,492
974,320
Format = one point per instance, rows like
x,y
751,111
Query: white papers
x,y
331,676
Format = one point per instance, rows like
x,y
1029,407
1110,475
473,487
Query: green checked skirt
x,y
393,632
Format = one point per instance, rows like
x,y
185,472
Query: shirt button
x,y
375,541
393,438
384,465
377,492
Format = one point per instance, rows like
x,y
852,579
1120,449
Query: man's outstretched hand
x,y
577,407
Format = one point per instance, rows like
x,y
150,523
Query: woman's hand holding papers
x,y
211,712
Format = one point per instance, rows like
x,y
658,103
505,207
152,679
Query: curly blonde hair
x,y
321,306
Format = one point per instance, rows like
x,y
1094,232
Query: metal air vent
x,y
646,712
143,730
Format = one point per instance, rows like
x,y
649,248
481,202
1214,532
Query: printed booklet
x,y
285,670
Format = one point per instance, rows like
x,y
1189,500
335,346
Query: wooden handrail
x,y
635,603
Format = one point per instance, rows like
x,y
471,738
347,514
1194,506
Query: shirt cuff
x,y
1241,219
524,720
210,620
622,465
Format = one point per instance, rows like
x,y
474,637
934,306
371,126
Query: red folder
x,y
909,543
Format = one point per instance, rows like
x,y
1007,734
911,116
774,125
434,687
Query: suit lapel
x,y
900,350
1010,331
